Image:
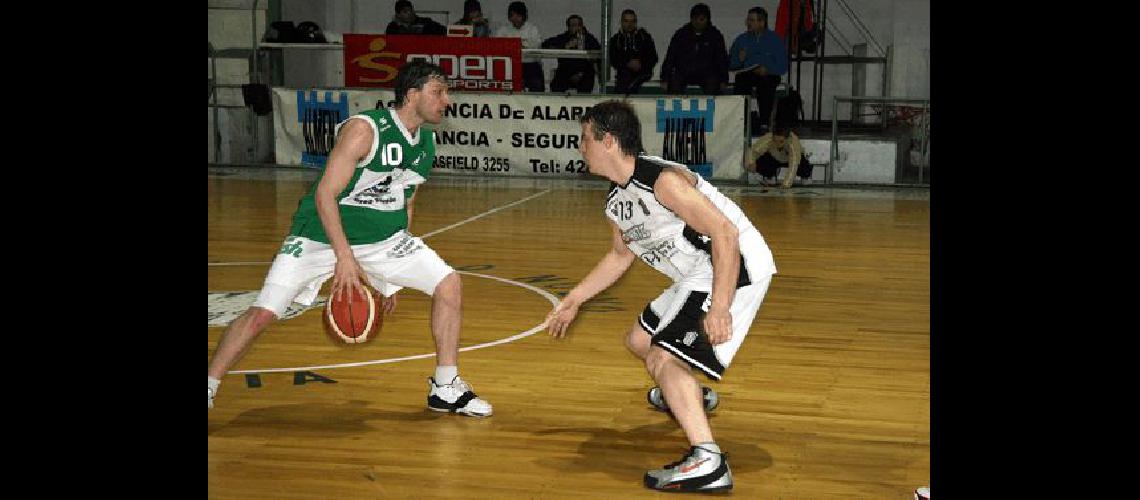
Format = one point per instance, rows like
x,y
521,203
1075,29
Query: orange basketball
x,y
354,319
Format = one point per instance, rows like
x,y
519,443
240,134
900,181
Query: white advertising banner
x,y
522,135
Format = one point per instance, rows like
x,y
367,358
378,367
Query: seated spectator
x,y
406,22
632,54
473,16
518,27
779,148
696,55
759,57
573,72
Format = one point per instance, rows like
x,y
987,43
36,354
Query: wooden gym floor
x,y
829,396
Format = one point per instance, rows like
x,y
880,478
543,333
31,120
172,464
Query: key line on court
x,y
545,294
426,236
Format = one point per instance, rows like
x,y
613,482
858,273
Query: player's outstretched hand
x,y
560,318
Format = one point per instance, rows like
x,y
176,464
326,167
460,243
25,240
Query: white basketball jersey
x,y
661,239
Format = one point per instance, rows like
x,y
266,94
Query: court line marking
x,y
484,214
554,301
424,237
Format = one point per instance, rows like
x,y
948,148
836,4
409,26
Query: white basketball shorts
x,y
303,265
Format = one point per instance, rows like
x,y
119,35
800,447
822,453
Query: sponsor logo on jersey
x,y
376,193
635,233
661,252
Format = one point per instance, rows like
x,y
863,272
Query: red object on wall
x,y
472,64
781,25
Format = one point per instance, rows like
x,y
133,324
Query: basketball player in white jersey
x,y
679,224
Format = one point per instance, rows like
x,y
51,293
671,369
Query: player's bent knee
x,y
637,341
656,359
259,318
450,288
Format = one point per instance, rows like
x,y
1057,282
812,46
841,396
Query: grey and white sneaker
x,y
456,397
210,399
699,470
657,399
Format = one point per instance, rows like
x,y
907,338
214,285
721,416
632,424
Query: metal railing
x,y
925,128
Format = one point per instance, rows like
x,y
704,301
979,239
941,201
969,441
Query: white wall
x,y
910,75
230,27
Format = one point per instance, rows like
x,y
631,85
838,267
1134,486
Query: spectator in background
x,y
632,54
759,57
473,16
406,22
696,55
573,72
779,148
518,27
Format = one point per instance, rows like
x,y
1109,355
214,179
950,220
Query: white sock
x,y
710,446
445,374
213,383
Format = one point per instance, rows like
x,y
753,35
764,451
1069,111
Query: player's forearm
x,y
726,266
608,270
793,165
329,213
793,161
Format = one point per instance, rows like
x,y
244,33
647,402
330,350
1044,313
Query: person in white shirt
x,y
777,149
518,27
663,214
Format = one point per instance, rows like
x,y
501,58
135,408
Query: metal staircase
x,y
849,53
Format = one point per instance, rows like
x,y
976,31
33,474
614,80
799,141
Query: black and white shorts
x,y
674,319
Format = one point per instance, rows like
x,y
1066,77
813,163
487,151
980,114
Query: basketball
x,y
354,319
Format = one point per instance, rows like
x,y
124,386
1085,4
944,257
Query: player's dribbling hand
x,y
718,326
560,318
347,278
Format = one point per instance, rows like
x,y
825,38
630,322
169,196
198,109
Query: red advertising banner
x,y
472,64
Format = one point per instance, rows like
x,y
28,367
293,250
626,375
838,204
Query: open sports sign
x,y
472,64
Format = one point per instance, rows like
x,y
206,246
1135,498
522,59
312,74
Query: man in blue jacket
x,y
759,57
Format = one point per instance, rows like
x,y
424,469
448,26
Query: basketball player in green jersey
x,y
354,225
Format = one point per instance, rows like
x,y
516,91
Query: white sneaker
x,y
210,399
699,470
922,493
456,397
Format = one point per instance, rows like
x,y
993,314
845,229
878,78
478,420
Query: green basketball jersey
x,y
373,206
